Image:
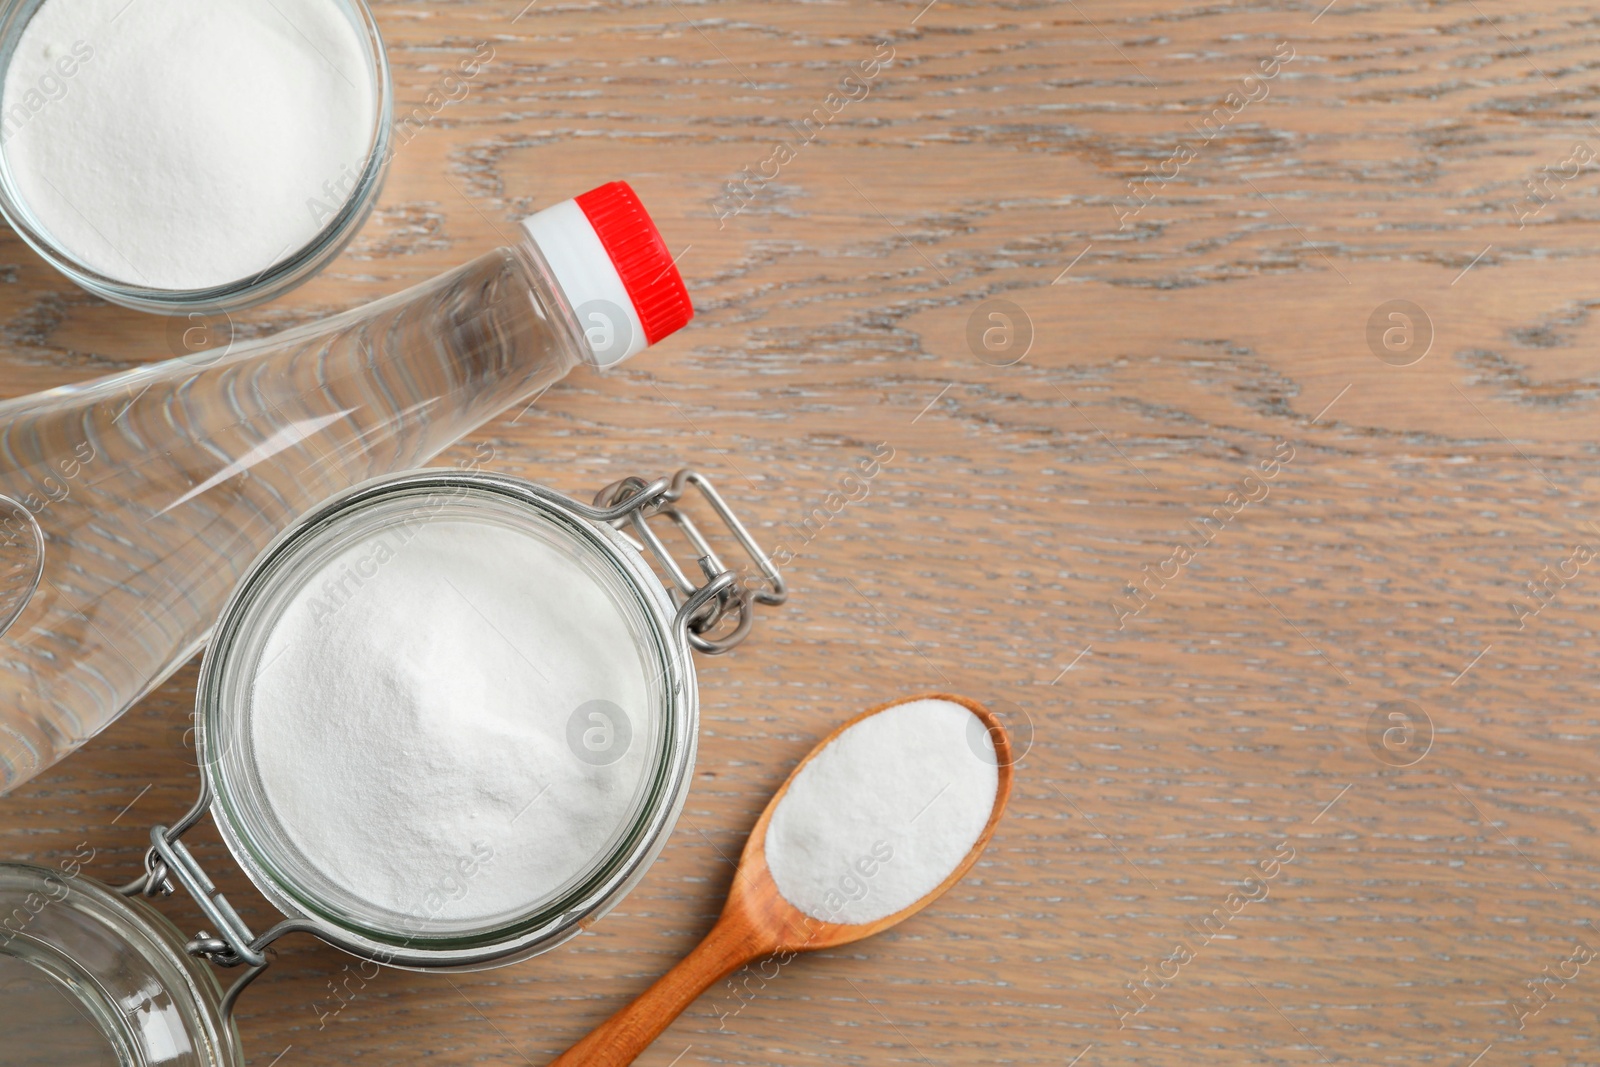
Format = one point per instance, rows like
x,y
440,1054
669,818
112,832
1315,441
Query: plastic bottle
x,y
135,501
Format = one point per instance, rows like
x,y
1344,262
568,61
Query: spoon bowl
x,y
758,921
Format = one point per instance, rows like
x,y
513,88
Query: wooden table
x,y
1307,367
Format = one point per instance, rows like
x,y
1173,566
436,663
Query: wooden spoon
x,y
758,922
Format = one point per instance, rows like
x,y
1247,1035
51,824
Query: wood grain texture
x,y
1179,341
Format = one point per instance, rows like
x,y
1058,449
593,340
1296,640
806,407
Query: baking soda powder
x,y
882,815
177,144
413,721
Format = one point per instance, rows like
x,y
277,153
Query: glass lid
x,y
89,978
444,712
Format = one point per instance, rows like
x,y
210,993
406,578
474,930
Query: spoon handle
x,y
616,1042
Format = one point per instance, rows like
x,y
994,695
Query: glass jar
x,y
90,977
292,267
657,622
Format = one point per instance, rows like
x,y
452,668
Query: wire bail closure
x,y
169,860
701,611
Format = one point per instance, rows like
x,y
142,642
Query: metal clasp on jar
x,y
702,608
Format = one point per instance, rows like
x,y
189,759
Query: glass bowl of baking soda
x,y
174,155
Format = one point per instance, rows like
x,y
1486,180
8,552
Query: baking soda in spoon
x,y
883,814
882,817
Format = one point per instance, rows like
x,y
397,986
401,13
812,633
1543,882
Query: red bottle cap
x,y
641,258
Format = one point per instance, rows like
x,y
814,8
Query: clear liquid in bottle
x,y
133,503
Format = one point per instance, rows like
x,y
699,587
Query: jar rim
x,y
664,778
291,269
68,921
